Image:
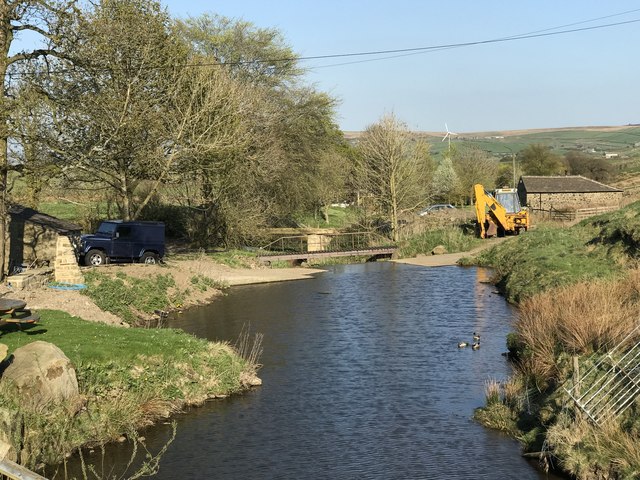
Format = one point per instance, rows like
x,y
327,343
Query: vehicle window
x,y
509,201
107,228
124,231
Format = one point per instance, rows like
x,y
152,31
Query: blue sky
x,y
576,79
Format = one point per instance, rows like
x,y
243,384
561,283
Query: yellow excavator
x,y
500,213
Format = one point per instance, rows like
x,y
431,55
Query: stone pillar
x,y
66,265
317,243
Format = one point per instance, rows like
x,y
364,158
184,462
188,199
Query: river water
x,y
362,380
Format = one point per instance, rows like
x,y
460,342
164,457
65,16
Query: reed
x,y
492,391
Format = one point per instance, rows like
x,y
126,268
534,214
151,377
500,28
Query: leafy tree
x,y
472,166
395,170
49,21
307,137
596,168
257,55
220,175
293,136
537,159
112,108
445,185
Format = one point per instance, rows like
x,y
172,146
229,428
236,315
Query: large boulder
x,y
43,375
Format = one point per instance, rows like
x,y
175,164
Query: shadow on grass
x,y
27,329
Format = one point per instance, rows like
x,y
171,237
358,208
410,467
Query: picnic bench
x,y
16,311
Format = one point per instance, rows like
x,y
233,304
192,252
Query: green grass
x,y
338,218
546,257
63,210
128,377
454,240
125,296
84,341
549,257
559,139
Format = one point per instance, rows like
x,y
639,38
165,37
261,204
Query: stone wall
x,y
29,242
573,201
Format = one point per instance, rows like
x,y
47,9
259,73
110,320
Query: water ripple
x,y
362,379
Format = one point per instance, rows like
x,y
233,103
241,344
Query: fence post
x,y
576,386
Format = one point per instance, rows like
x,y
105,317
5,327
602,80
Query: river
x,y
362,379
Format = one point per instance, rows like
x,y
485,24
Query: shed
x,y
567,192
33,236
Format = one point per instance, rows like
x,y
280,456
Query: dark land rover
x,y
119,241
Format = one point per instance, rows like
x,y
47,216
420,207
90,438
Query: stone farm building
x,y
33,236
567,193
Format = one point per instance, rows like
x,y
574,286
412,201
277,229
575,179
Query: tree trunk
x,y
6,36
126,203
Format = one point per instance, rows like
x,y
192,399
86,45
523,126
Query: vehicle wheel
x,y
149,258
95,258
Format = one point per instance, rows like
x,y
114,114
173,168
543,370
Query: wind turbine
x,y
448,135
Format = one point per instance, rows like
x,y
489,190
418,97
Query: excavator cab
x,y
508,198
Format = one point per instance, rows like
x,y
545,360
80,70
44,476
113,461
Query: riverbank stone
x,y
439,250
43,375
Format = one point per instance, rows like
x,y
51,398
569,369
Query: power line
x,y
467,44
395,52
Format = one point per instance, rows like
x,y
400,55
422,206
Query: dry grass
x,y
579,319
514,391
586,450
492,391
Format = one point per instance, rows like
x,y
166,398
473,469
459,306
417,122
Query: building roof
x,y
33,216
564,184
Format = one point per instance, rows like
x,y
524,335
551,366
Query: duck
x,y
462,344
476,337
475,346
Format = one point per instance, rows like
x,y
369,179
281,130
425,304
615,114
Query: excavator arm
x,y
493,217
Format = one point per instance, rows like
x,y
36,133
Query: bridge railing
x,y
334,242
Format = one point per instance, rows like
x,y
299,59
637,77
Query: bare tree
x,y
596,168
395,170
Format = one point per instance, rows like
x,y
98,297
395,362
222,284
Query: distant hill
x,y
596,140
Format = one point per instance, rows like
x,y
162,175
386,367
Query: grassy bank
x,y
455,238
579,295
548,257
128,378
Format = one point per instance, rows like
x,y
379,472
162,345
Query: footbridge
x,y
317,244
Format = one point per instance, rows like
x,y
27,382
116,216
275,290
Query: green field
x,y
620,140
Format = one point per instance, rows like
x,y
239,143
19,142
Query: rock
x,y
439,250
43,374
5,450
10,425
3,351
